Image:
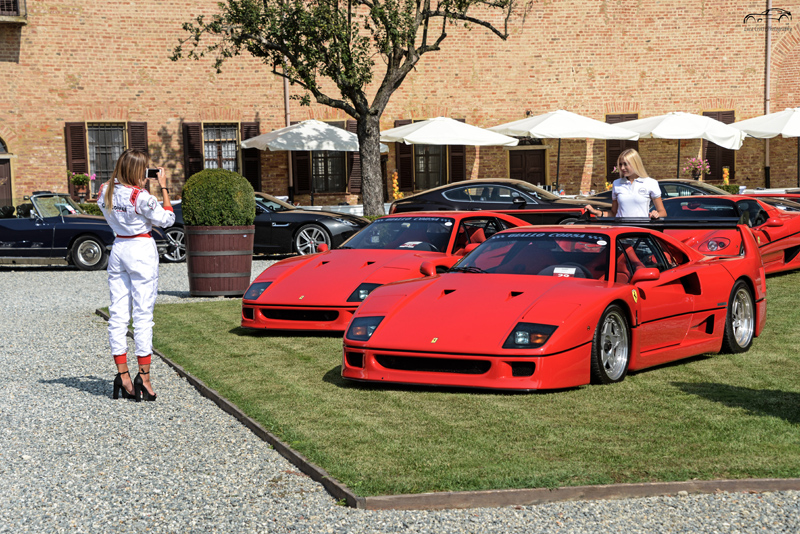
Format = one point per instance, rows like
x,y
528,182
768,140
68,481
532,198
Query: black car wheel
x,y
308,239
89,254
611,347
176,239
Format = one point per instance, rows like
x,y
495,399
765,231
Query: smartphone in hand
x,y
152,174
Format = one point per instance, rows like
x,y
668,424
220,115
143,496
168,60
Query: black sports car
x,y
515,197
51,229
671,188
281,228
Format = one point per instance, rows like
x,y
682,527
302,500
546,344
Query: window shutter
x,y
251,157
192,149
137,136
717,156
353,164
458,161
516,164
75,136
615,147
405,161
301,166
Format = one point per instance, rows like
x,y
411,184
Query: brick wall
x,y
95,60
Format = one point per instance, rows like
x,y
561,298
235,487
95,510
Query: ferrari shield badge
x,y
635,295
434,340
302,297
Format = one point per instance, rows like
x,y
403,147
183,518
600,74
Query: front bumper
x,y
311,318
563,370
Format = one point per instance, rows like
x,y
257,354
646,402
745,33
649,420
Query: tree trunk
x,y
372,185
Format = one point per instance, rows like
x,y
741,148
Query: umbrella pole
x,y
558,163
678,170
798,162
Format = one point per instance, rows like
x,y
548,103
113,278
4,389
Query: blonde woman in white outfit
x,y
632,191
131,212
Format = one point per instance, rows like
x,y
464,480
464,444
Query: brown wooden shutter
x,y
458,161
251,157
717,156
77,158
516,164
405,161
301,166
192,149
353,164
137,136
615,147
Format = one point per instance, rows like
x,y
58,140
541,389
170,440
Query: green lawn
x,y
722,416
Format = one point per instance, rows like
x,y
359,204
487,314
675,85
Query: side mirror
x,y
322,247
427,269
519,201
773,222
644,275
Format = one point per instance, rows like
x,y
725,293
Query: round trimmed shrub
x,y
216,197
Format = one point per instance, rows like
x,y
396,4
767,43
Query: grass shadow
x,y
255,332
774,403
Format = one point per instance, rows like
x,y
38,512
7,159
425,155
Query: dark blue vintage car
x,y
50,228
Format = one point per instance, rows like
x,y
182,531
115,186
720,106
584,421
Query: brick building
x,y
81,81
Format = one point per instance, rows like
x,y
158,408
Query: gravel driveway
x,y
73,460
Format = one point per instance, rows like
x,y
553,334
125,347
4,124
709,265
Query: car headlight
x,y
529,336
345,221
715,245
362,292
362,328
255,290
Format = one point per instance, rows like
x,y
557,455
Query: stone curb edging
x,y
477,499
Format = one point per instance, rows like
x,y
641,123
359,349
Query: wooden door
x,y
528,165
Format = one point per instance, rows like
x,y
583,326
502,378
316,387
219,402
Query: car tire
x,y
89,254
177,237
309,237
611,347
740,320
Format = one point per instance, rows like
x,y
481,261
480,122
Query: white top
x,y
135,211
633,198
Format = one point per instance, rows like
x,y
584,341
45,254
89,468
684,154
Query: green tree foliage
x,y
310,41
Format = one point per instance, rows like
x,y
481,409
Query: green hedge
x,y
91,208
733,189
216,197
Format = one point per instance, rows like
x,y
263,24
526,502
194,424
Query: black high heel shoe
x,y
140,391
118,386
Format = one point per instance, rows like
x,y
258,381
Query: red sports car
x,y
775,223
555,307
321,291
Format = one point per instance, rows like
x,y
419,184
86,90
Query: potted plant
x,y
696,167
219,208
80,181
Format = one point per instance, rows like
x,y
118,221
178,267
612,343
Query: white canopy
x,y
562,124
680,125
445,131
785,123
307,135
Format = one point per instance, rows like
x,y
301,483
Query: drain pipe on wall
x,y
767,59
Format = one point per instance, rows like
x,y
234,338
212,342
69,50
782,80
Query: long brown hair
x,y
130,170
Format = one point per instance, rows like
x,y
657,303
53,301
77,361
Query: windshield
x,y
55,205
405,233
273,203
560,254
700,207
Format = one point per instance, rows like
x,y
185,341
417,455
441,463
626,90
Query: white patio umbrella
x,y
785,123
680,125
562,124
307,135
445,131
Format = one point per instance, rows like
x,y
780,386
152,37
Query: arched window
x,y
3,148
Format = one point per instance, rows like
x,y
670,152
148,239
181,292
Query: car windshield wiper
x,y
470,269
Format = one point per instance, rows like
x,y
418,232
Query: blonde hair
x,y
633,159
130,170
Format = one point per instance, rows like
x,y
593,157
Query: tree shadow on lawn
x,y
334,377
771,402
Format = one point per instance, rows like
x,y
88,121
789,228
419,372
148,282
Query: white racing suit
x,y
133,267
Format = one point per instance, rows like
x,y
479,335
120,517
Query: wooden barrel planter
x,y
219,260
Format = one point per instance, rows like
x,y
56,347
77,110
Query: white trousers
x,y
133,284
